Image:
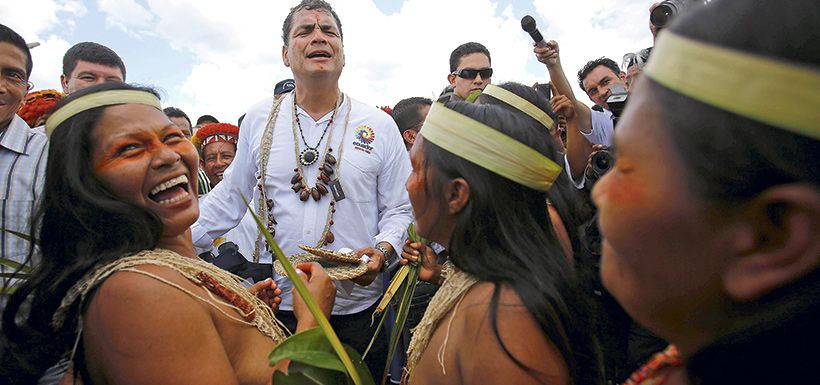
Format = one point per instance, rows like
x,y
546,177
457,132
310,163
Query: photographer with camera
x,y
603,82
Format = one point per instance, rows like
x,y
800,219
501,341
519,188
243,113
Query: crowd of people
x,y
674,241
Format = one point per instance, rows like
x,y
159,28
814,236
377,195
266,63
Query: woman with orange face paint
x,y
119,290
711,215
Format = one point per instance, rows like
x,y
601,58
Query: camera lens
x,y
662,15
602,162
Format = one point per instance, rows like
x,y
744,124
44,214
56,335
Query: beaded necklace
x,y
265,205
309,156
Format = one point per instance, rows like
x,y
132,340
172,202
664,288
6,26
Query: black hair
x,y
80,225
565,198
7,35
407,112
592,64
753,156
464,50
205,119
173,112
92,53
309,5
504,236
729,159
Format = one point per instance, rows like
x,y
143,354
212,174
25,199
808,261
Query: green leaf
x,y
17,266
406,281
21,235
301,374
14,275
303,291
310,347
473,96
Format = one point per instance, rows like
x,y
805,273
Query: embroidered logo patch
x,y
364,137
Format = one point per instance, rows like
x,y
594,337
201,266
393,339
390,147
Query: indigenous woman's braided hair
x,y
504,236
79,225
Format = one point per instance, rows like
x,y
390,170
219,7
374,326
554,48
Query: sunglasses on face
x,y
470,73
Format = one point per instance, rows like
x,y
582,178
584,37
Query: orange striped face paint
x,y
143,158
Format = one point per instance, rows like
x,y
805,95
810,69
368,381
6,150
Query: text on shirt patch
x,y
364,137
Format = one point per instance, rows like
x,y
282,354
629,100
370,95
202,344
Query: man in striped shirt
x,y
23,152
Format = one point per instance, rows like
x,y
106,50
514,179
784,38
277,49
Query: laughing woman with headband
x,y
119,291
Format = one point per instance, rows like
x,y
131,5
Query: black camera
x,y
602,161
666,11
617,100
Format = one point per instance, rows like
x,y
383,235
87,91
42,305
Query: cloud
x,y
32,18
237,45
127,15
41,21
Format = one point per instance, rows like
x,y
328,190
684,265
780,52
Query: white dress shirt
x,y
376,207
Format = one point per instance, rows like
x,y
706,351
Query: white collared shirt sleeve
x,y
224,208
395,212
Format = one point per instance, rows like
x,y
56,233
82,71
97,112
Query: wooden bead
x,y
330,159
314,193
303,195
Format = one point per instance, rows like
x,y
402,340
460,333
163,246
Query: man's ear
x,y
64,83
285,56
457,195
622,75
452,79
782,243
409,136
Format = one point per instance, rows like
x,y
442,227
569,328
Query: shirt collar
x,y
15,136
326,117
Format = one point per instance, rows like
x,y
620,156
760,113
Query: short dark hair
x,y
7,35
206,119
92,53
173,112
309,5
592,64
406,112
464,50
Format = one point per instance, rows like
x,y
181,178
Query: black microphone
x,y
528,25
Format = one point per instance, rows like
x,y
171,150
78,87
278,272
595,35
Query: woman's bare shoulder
x,y
486,361
139,327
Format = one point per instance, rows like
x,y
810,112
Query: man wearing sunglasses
x,y
470,69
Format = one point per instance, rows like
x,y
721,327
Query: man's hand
x,y
563,106
548,54
374,266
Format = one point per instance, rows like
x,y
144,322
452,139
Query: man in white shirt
x,y
332,173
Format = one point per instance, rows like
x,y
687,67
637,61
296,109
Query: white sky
x,y
219,57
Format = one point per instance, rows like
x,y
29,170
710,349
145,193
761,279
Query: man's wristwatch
x,y
386,253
